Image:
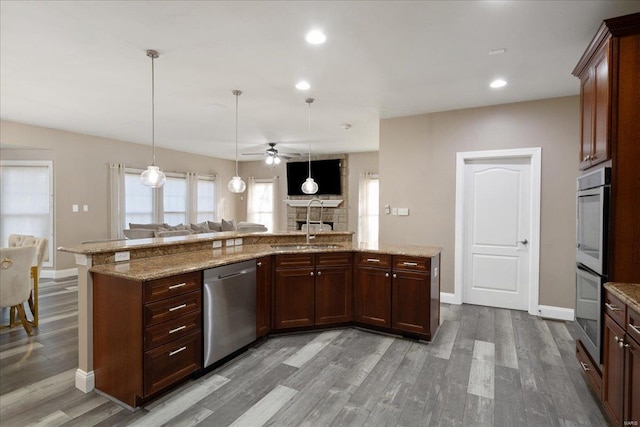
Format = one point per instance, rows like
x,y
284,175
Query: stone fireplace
x,y
335,208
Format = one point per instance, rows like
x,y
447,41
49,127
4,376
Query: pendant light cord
x,y
309,101
237,94
153,112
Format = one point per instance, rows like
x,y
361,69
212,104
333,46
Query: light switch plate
x,y
394,211
75,208
403,211
85,208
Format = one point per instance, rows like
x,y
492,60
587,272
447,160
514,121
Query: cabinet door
x,y
600,147
632,378
587,107
372,296
334,295
263,296
410,301
294,298
613,375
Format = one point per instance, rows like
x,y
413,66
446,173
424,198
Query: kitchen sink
x,y
302,246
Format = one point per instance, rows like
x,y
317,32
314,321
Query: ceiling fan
x,y
274,155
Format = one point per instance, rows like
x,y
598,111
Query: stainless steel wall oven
x,y
591,256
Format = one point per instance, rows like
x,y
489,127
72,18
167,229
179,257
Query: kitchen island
x,y
415,270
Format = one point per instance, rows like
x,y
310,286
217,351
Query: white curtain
x,y
368,208
276,204
251,205
117,200
192,197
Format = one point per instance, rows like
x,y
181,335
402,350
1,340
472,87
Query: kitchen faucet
x,y
315,199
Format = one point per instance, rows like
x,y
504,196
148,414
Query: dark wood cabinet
x,y
613,373
608,71
594,106
264,273
398,292
372,296
294,292
621,362
147,335
312,289
334,289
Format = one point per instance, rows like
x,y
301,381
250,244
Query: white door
x,y
497,227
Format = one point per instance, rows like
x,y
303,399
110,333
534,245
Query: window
x,y
138,199
26,201
206,199
261,202
369,206
174,194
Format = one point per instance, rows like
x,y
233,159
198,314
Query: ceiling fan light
x,y
276,160
153,177
269,160
236,185
309,186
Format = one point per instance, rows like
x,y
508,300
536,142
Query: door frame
x,y
534,154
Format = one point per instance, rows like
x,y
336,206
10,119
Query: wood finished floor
x,y
486,367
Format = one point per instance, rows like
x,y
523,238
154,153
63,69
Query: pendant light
x,y
153,177
309,186
236,185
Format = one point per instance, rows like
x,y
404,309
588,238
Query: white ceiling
x,y
81,65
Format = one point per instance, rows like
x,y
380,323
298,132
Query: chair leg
x,y
12,317
33,297
23,318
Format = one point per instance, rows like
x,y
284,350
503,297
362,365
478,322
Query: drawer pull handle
x,y
612,307
395,276
179,285
585,367
386,274
319,273
635,328
410,264
178,307
171,331
259,264
311,274
373,260
171,353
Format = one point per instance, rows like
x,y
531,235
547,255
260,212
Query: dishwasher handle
x,y
237,273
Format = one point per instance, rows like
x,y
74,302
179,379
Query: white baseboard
x,y
556,313
85,381
58,274
448,298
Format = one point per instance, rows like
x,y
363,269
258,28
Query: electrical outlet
x,y
122,256
217,244
230,242
75,208
238,241
85,208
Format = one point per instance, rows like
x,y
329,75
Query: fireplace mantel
x,y
303,203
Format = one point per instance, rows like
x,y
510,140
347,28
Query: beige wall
x,y
417,170
80,164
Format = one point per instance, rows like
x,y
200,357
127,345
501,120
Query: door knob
x,y
524,242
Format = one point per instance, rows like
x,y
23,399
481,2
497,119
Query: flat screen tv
x,y
326,173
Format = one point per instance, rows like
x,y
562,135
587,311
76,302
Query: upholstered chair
x,y
20,240
15,280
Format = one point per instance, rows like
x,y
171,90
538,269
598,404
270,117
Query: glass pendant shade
x,y
269,160
309,186
236,185
153,177
276,160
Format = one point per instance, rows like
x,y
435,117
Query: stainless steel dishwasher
x,y
229,309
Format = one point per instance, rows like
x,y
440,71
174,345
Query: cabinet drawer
x,y
294,260
633,324
170,330
373,260
167,287
171,362
333,258
401,262
171,308
591,371
615,308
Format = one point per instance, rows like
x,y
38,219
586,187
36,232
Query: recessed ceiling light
x,y
303,85
498,83
315,37
498,51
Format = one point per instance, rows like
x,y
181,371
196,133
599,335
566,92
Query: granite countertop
x,y
179,263
103,246
629,293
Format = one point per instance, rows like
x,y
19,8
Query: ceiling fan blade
x,y
289,155
254,154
